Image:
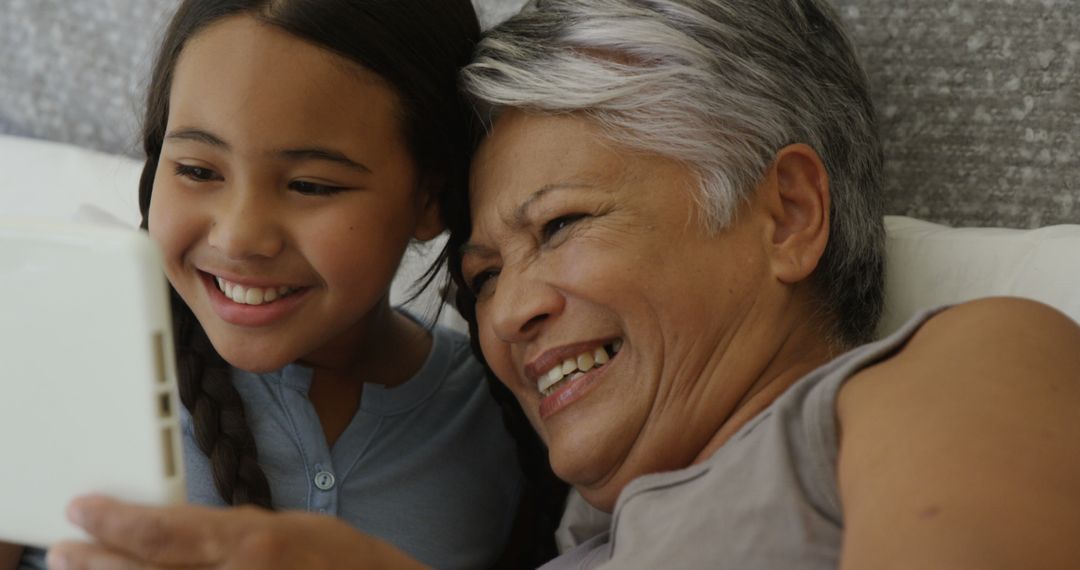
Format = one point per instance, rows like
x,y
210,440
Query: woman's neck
x,y
803,350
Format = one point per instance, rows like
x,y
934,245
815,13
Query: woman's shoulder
x,y
997,339
1000,352
970,425
1001,321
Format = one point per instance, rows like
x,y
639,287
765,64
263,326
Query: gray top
x,y
766,499
427,465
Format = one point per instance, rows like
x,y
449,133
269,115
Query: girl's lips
x,y
251,315
573,390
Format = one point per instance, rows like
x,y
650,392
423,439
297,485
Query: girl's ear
x,y
796,195
429,223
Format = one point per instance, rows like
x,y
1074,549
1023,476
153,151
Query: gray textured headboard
x,y
979,99
980,106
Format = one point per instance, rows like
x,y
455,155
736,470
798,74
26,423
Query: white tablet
x,y
88,400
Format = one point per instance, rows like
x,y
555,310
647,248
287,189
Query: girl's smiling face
x,y
285,183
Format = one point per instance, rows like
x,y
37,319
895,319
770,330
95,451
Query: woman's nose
x,y
245,224
521,304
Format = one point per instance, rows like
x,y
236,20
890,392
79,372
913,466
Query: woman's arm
x,y
10,555
191,537
963,450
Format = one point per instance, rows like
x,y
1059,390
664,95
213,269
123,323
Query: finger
x,y
83,556
179,535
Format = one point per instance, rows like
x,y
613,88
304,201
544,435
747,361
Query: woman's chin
x,y
592,478
601,499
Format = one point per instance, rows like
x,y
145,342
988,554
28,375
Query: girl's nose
x,y
245,225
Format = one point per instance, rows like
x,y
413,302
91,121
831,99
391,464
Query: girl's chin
x,y
250,358
256,366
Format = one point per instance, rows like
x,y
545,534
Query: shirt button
x,y
324,480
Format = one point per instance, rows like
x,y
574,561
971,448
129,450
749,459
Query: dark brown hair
x,y
417,46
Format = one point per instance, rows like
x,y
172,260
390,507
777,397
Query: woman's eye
x,y
558,224
197,173
482,281
314,188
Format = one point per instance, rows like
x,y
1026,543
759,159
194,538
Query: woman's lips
x,y
255,315
573,389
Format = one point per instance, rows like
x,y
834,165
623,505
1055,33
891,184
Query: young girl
x,y
294,149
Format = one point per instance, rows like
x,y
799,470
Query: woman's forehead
x,y
528,154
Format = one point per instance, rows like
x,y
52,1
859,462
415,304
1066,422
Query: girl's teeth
x,y
569,365
600,356
616,346
251,296
254,296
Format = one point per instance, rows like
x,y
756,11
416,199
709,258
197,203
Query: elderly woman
x,y
672,258
675,249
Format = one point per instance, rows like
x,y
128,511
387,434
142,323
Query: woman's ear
x,y
796,196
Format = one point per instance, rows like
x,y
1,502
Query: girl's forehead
x,y
253,50
254,84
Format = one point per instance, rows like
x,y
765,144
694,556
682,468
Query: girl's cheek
x,y
170,225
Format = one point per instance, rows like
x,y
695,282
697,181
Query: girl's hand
x,y
134,537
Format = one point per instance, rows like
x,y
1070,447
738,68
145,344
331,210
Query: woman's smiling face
x,y
583,253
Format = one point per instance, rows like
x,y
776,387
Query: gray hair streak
x,y
720,85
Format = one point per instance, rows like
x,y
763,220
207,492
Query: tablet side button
x,y
167,450
159,357
165,405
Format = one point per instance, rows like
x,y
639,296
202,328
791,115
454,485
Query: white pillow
x,y
52,181
55,181
930,264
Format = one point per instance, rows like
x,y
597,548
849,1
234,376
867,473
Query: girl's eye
x,y
482,281
315,189
197,173
558,224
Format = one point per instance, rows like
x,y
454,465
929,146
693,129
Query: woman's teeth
x,y
252,295
571,368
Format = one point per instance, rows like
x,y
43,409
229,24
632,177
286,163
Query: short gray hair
x,y
720,85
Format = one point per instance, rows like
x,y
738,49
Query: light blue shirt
x,y
427,465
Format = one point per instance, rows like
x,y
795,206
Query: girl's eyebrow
x,y
329,155
196,135
292,154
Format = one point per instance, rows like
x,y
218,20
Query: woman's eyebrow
x,y
470,249
520,217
